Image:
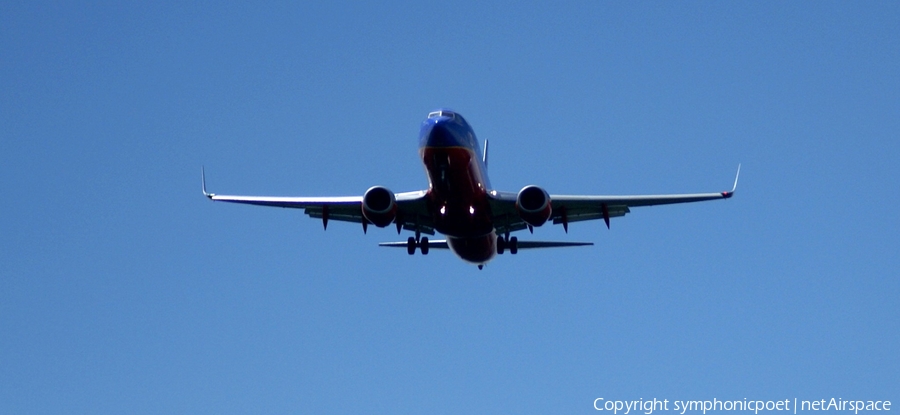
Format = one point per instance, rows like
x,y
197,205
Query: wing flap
x,y
335,212
578,216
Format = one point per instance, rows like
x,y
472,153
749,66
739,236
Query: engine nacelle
x,y
533,205
379,206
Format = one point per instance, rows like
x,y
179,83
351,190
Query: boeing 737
x,y
461,204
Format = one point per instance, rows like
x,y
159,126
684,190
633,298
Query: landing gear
x,y
411,245
506,242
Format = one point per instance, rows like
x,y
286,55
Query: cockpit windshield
x,y
442,113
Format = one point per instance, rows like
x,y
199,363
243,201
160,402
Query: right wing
x,y
412,209
574,208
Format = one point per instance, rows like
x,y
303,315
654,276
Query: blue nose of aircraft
x,y
444,128
441,134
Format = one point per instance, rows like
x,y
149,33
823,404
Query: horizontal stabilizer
x,y
439,244
442,244
549,244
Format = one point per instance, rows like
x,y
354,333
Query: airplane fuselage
x,y
457,186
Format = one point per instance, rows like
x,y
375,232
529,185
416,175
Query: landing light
x,y
471,210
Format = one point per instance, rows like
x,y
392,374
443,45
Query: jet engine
x,y
379,206
533,205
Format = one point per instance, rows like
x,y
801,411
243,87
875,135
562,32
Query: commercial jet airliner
x,y
460,202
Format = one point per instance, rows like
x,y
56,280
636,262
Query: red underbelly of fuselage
x,y
458,201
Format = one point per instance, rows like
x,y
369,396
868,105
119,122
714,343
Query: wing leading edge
x,y
575,208
412,211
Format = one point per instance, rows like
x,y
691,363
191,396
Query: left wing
x,y
573,208
412,210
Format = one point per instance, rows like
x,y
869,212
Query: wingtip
x,y
729,194
203,183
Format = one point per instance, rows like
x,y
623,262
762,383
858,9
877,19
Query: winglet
x,y
203,183
485,158
733,188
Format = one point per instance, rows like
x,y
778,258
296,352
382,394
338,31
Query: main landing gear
x,y
505,242
411,245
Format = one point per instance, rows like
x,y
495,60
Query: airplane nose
x,y
440,134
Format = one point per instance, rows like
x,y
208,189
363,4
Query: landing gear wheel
x,y
424,245
513,245
411,245
501,245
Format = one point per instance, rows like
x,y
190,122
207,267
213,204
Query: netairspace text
x,y
648,406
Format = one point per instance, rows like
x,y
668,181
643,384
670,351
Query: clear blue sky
x,y
123,290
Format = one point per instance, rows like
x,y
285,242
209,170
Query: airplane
x,y
460,202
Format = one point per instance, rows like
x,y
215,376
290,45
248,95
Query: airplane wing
x,y
575,208
412,210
